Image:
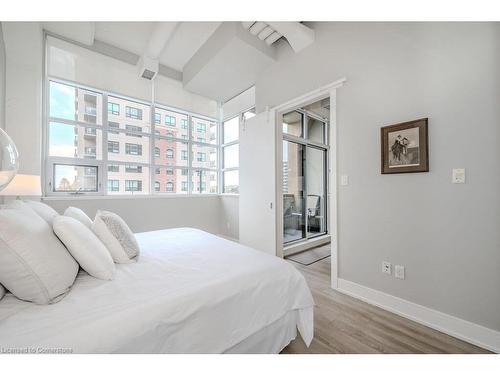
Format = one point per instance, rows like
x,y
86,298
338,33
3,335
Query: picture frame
x,y
405,147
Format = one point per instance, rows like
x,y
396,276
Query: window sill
x,y
125,197
229,195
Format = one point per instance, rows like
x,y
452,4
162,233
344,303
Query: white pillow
x,y
34,264
79,215
46,212
2,291
116,235
85,247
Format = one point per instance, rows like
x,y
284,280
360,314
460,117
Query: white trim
x,y
84,197
310,96
464,330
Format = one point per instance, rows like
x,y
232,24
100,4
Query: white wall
x,y
2,79
145,214
229,211
23,109
446,235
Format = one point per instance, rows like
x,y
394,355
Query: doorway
x,y
305,175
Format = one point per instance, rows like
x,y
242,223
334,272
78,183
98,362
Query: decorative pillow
x,y
116,236
46,212
34,264
79,215
2,291
85,247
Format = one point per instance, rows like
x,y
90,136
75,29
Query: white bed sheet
x,y
190,292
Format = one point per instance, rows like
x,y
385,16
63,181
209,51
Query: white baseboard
x,y
473,333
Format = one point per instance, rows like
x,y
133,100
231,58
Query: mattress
x,y
189,292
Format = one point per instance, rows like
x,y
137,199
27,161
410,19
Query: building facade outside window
x,y
122,148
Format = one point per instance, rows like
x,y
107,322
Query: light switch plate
x,y
399,272
458,176
344,180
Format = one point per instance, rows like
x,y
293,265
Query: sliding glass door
x,y
304,177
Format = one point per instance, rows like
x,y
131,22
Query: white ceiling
x,y
134,36
130,36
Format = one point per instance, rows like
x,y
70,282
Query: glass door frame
x,y
304,141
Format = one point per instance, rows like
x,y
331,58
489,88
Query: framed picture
x,y
405,147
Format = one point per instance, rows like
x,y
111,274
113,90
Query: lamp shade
x,y
24,185
9,162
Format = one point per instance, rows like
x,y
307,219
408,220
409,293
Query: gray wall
x,y
446,235
146,214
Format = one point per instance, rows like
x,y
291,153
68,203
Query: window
x,y
72,178
170,120
113,185
114,109
201,156
231,151
134,129
134,113
133,168
113,147
113,125
133,185
201,128
131,154
133,149
113,168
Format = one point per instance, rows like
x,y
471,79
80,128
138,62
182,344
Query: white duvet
x,y
190,292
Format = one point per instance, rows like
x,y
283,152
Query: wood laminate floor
x,y
343,324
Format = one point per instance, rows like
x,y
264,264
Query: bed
x,y
190,292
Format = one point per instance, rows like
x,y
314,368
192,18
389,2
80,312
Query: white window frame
x,y
241,121
102,165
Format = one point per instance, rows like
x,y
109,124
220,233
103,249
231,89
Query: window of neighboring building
x,y
134,113
184,124
113,125
157,118
201,156
113,168
170,171
157,152
170,153
201,128
170,120
113,185
133,168
114,108
133,185
184,155
133,149
114,147
169,187
133,130
157,186
184,186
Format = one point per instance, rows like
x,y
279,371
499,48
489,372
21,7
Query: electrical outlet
x,y
386,268
344,180
399,272
458,176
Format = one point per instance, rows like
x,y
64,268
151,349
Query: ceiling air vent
x,y
148,67
148,74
